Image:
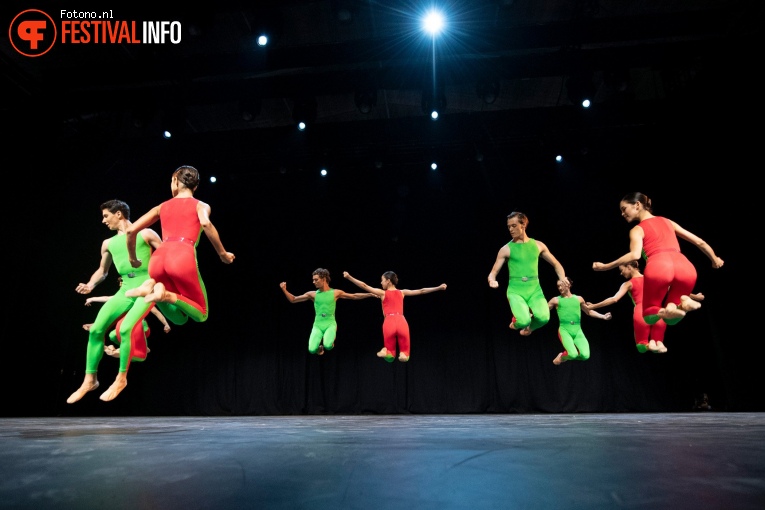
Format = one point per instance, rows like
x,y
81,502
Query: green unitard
x,y
570,330
119,305
125,313
524,294
324,325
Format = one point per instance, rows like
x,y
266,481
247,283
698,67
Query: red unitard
x,y
395,327
174,263
643,331
668,273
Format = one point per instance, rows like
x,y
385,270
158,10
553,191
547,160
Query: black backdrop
x,y
250,357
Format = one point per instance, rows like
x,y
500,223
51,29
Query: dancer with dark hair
x,y
570,307
648,337
324,330
669,276
395,326
524,293
174,275
120,310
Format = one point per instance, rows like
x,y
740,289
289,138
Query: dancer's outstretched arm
x,y
359,283
426,290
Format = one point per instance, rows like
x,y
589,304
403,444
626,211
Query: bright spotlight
x,y
167,134
434,115
262,40
558,158
213,179
586,103
433,166
301,126
323,171
433,22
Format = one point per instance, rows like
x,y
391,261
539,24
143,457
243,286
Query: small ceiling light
x,y
262,40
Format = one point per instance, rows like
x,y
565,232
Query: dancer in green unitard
x,y
570,307
524,293
324,299
131,312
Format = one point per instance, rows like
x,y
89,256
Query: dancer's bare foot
x,y
114,352
89,384
697,297
87,327
661,348
382,353
143,290
403,357
117,386
672,311
321,350
558,359
653,346
689,304
524,332
160,295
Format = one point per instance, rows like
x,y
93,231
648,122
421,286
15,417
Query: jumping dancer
x,y
524,293
395,326
570,307
173,270
669,277
648,337
119,307
324,330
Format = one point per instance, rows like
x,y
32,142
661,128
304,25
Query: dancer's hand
x,y
83,288
135,263
227,257
598,266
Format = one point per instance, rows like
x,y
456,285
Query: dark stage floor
x,y
656,461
